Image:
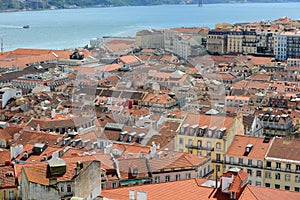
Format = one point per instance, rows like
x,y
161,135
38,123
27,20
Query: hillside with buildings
x,y
183,113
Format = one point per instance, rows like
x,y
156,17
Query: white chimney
x,y
131,194
53,113
141,195
152,149
38,128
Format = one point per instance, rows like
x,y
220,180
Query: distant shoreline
x,y
112,6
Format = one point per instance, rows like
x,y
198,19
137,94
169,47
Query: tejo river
x,y
58,29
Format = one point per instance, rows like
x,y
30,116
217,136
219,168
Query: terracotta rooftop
x,y
252,192
37,173
284,149
258,150
181,190
172,160
7,177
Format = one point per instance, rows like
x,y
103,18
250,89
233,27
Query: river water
x,y
59,29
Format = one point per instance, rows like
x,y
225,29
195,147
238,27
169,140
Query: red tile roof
x,y
37,173
239,143
262,193
179,190
7,177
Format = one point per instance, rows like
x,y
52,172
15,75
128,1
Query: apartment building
x,y
185,42
217,41
287,45
248,153
153,39
293,62
282,165
235,42
276,123
208,135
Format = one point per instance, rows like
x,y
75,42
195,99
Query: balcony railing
x,y
199,147
261,167
207,175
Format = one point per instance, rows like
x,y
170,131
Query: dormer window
x,y
135,172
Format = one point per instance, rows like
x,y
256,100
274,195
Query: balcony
x,y
217,161
199,147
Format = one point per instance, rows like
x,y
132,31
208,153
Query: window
x,y
11,195
249,171
268,185
177,177
188,175
297,189
114,185
217,168
277,176
240,161
69,189
277,186
135,172
268,175
298,168
269,165
231,159
278,166
190,142
250,162
218,145
258,183
258,173
199,153
62,189
287,187
103,185
208,144
180,140
218,157
156,179
297,179
259,163
199,144
287,177
167,178
288,167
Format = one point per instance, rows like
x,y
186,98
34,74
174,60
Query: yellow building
x,y
235,42
273,163
248,153
208,135
249,42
